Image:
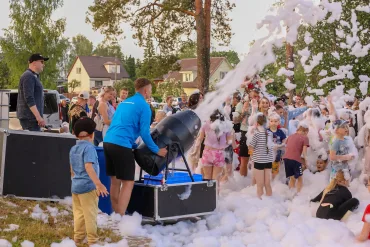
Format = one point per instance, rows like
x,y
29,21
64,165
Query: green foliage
x,y
325,40
231,56
171,87
188,50
125,83
80,46
130,67
166,22
106,49
33,31
4,75
156,66
72,85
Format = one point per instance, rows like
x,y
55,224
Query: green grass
x,y
44,234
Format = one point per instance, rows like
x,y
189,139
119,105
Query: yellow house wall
x,y
83,77
189,91
224,67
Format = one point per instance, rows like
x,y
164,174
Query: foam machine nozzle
x,y
175,131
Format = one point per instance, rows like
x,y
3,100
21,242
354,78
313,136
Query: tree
x,y
130,67
166,23
4,75
125,83
230,55
170,88
73,85
156,66
328,38
80,46
188,50
33,31
106,49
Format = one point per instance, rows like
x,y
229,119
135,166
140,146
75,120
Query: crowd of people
x,y
251,131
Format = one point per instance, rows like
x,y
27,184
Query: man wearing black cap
x,y
30,105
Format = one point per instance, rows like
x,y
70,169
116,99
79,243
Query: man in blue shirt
x,y
131,120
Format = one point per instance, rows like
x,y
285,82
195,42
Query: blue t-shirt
x,y
278,136
83,152
341,147
131,120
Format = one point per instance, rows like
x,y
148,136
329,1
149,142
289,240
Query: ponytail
x,y
339,177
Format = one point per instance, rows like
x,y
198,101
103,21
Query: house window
x,y
222,75
78,70
113,69
98,83
187,77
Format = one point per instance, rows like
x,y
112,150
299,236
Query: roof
x,y
94,66
190,64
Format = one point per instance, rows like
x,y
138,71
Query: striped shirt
x,y
262,149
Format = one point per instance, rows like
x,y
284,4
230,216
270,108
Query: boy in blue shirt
x,y
279,139
86,186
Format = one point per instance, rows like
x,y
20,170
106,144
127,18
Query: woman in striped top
x,y
263,156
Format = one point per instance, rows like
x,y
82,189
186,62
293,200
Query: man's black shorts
x,y
119,161
243,147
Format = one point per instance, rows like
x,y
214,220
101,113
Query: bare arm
x,y
101,190
103,111
335,157
72,174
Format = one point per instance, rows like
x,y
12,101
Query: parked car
x,y
154,104
51,115
62,97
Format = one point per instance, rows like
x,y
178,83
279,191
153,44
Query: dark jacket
x,y
30,93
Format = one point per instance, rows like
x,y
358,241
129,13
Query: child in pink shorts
x,y
217,136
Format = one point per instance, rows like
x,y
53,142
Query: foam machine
x,y
154,197
176,132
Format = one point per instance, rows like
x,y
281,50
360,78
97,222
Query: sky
x,y
245,15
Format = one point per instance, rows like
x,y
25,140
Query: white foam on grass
x,y
11,227
5,243
27,243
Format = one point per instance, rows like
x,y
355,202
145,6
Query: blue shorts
x,y
293,168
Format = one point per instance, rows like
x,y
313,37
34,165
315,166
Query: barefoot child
x,y
263,156
279,139
296,145
339,150
86,186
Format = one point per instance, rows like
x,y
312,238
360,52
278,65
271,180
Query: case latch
x,y
210,183
164,187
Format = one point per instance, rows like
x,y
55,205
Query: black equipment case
x,y
35,165
173,201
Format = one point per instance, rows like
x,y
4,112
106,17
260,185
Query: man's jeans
x,y
30,124
98,137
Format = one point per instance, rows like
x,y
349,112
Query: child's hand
x,y
101,190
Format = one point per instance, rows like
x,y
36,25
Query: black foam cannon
x,y
177,132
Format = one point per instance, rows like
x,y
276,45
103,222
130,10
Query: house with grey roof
x,y
188,73
95,72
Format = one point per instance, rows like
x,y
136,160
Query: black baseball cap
x,y
84,124
37,57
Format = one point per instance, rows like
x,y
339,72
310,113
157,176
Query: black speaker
x,y
175,131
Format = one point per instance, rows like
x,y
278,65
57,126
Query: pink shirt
x,y
294,147
212,139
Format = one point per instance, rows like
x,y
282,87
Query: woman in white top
x,y
105,109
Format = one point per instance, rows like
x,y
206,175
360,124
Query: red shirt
x,y
294,147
